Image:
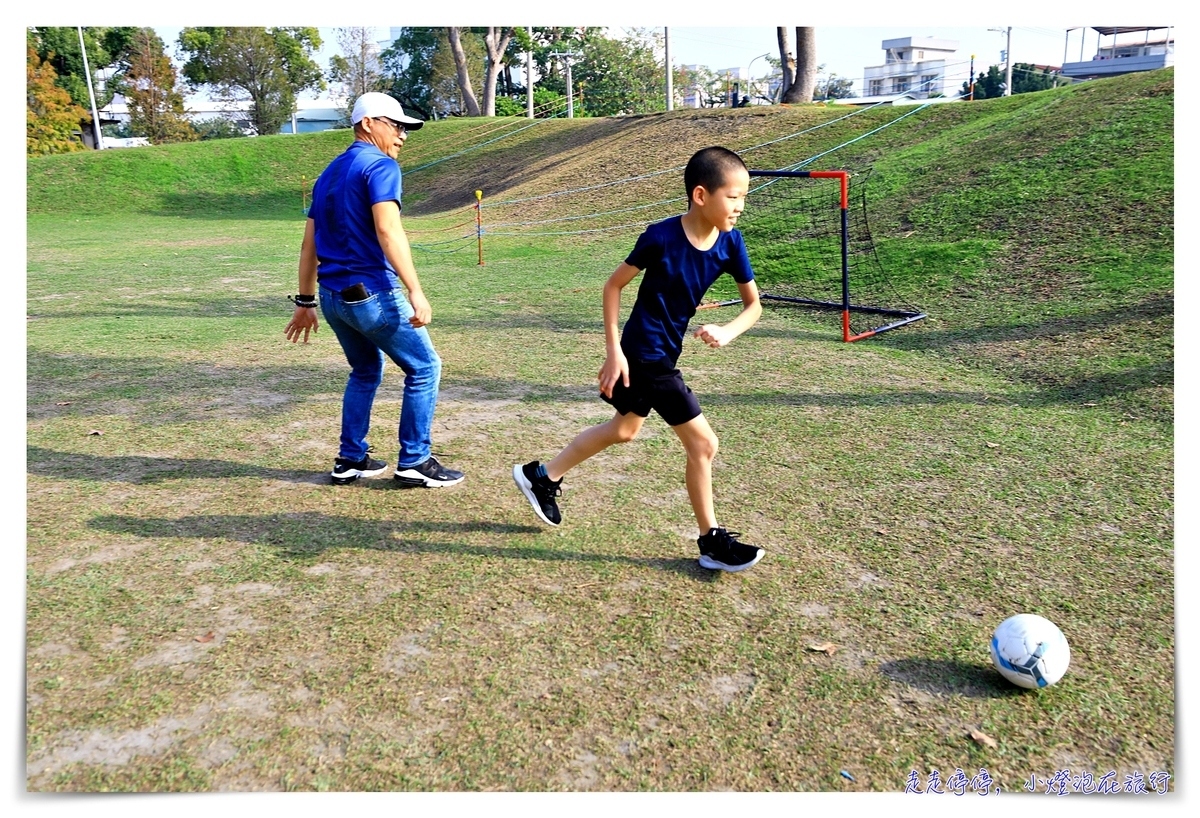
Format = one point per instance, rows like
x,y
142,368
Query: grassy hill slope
x,y
1036,230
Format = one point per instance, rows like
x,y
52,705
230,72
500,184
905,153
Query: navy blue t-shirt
x,y
348,250
676,277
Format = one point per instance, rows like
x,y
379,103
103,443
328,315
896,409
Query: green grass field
x,y
205,612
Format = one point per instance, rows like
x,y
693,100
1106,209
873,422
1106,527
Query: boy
x,y
682,257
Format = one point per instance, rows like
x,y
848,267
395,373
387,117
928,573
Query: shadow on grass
x,y
141,470
306,535
918,339
942,677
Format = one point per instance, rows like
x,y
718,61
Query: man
x,y
356,252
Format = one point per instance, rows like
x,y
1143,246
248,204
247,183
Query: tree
x,y
800,89
358,69
463,71
497,40
787,63
1027,78
833,87
987,86
700,82
623,76
150,87
217,127
266,66
105,46
408,68
51,117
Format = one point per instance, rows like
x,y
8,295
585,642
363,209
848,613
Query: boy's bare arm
x,y
615,365
719,335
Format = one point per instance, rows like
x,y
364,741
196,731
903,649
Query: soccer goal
x,y
807,236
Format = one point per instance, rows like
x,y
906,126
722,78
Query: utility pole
x,y
99,137
566,57
1007,59
529,75
667,60
1008,65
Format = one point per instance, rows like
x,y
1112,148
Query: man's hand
x,y
714,335
304,320
615,368
422,312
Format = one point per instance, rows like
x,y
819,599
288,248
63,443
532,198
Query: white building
x,y
1128,49
912,65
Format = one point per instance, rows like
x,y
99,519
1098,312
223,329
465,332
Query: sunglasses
x,y
399,127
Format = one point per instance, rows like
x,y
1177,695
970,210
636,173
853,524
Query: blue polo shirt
x,y
348,250
676,277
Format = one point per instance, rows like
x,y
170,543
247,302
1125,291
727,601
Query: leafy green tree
x,y
834,87
217,127
699,81
547,104
268,67
358,69
150,85
51,117
621,76
1027,78
106,47
422,72
408,68
988,85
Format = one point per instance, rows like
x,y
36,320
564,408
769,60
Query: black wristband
x,y
306,301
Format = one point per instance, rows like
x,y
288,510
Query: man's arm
x,y
615,364
394,242
304,319
719,335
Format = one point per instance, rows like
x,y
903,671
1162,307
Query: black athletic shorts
x,y
656,385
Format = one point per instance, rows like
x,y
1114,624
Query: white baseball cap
x,y
375,105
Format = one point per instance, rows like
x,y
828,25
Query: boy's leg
x,y
720,550
591,441
540,488
700,443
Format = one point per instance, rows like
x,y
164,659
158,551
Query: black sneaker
x,y
721,551
431,475
347,471
539,491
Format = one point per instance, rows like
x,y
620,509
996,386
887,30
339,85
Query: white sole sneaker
x,y
527,489
713,565
350,475
414,479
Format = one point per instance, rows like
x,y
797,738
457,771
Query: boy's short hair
x,y
710,167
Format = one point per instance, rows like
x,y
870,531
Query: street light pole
x,y
96,134
667,60
566,57
529,76
749,75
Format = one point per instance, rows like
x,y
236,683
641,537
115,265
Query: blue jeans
x,y
367,330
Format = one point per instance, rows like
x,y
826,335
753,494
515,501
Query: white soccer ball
x,y
1030,651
